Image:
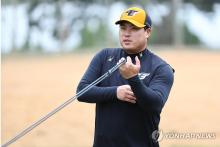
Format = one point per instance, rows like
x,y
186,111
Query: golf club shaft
x,y
84,90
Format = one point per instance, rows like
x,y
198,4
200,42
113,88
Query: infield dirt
x,y
33,86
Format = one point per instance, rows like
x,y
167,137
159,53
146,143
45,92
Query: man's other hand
x,y
124,93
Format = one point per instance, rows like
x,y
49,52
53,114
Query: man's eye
x,y
135,28
122,28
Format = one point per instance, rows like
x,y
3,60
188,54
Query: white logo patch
x,y
110,58
143,75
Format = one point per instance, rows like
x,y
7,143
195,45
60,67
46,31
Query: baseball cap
x,y
136,16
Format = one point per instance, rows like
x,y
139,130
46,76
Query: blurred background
x,y
67,25
46,46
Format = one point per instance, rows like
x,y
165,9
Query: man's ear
x,y
148,32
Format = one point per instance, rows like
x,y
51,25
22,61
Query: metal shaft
x,y
84,90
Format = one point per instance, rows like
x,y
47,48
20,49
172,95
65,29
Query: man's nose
x,y
127,32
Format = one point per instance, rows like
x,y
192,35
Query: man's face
x,y
132,38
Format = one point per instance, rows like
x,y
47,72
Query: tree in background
x,y
65,25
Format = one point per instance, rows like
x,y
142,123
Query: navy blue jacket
x,y
119,123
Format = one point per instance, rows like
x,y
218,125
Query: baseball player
x,y
129,102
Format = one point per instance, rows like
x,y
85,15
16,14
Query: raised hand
x,y
129,69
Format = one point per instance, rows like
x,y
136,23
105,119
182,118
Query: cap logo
x,y
131,12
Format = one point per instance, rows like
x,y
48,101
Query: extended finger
x,y
130,97
129,59
129,100
130,93
137,61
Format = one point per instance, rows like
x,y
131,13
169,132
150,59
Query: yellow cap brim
x,y
137,24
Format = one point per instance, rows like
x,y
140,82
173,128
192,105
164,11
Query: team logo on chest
x,y
110,58
143,75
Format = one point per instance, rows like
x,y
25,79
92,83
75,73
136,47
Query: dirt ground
x,y
32,86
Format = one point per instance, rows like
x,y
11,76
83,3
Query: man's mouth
x,y
127,41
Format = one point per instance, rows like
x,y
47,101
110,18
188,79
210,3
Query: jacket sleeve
x,y
96,94
153,97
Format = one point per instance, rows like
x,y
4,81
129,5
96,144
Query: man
x,y
129,102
